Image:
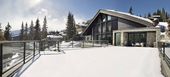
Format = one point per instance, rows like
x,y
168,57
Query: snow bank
x,y
98,62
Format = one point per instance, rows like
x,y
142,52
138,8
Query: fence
x,y
94,43
164,49
14,54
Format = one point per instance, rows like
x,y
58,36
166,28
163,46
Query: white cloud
x,y
26,10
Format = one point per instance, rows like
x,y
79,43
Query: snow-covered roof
x,y
165,24
129,16
54,36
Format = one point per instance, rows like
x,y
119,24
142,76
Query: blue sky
x,y
16,11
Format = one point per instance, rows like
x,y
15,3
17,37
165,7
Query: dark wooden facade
x,y
103,25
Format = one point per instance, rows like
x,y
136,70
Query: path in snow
x,y
98,62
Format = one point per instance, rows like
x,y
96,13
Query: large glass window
x,y
109,18
104,27
99,28
103,18
136,38
109,26
117,39
115,26
96,29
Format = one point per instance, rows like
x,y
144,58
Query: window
x,y
117,39
104,27
109,26
103,18
109,18
99,28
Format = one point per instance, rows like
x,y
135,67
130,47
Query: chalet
x,y
122,29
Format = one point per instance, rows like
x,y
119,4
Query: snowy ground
x,y
98,62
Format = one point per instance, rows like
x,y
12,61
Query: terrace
x,y
100,60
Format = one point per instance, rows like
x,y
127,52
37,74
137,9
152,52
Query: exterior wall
x,y
103,26
151,39
126,24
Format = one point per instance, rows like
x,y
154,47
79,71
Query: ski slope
x,y
98,62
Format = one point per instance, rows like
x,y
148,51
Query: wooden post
x,y
34,50
24,53
163,50
58,46
1,59
93,42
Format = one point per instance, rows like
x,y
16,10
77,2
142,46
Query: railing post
x,y
1,59
72,43
93,42
24,54
41,46
83,43
58,46
34,50
163,50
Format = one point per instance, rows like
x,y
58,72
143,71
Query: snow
x,y
167,51
142,18
98,62
165,24
54,36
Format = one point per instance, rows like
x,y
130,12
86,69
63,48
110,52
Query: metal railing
x,y
14,54
164,48
94,43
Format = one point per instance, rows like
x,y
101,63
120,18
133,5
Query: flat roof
x,y
138,30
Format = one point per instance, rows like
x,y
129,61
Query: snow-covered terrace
x,y
97,62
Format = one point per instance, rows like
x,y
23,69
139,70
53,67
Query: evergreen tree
x,y
22,32
70,29
44,29
7,34
163,15
31,31
37,30
169,25
1,34
149,15
26,32
131,10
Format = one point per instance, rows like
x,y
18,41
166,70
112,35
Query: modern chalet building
x,y
122,29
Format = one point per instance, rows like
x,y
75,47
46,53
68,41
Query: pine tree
x,y
163,15
26,32
37,30
70,30
131,10
7,34
169,25
149,15
44,29
1,34
22,32
31,31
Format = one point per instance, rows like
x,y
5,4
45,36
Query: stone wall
x,y
151,38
